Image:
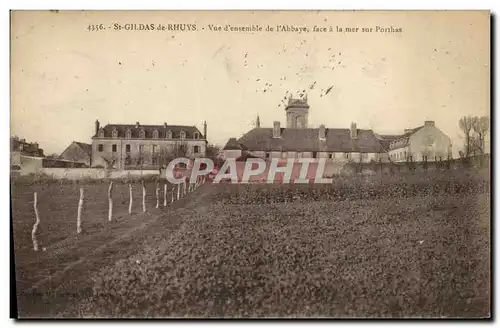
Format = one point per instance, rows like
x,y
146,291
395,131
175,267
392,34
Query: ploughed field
x,y
259,250
370,247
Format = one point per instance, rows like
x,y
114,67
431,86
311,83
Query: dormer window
x,y
169,134
101,133
155,134
196,135
114,133
128,134
142,134
183,135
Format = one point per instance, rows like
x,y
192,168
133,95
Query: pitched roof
x,y
85,147
386,140
233,144
336,140
148,129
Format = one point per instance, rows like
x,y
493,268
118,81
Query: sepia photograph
x,y
291,164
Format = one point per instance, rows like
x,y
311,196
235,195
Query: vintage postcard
x,y
250,164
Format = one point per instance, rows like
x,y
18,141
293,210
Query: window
x,y
331,155
127,160
101,133
100,147
268,155
155,134
196,135
183,135
127,148
113,148
404,154
346,155
168,135
141,149
196,149
114,133
364,155
142,134
128,134
155,149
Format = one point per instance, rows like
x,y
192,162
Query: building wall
x,y
76,154
231,153
428,141
339,157
401,154
119,157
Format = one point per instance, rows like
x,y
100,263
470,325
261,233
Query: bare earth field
x,y
357,248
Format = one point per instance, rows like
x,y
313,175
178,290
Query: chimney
x,y
429,123
137,124
322,132
276,129
354,131
408,130
205,129
96,126
165,124
257,123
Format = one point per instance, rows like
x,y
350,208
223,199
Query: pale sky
x,y
64,77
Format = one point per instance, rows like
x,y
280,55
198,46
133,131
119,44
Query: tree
x,y
52,156
465,124
481,126
214,153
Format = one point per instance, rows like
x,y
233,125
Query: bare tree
x,y
465,124
481,126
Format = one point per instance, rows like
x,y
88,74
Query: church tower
x,y
297,111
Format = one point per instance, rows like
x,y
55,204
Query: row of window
x,y
403,155
100,148
155,135
317,155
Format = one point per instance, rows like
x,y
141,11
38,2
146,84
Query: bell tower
x,y
297,111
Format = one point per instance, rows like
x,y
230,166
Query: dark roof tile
x,y
149,129
337,140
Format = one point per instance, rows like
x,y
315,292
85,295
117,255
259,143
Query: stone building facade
x,y
78,152
424,143
132,146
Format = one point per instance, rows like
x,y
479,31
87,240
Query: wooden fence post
x,y
178,191
110,199
165,195
143,196
35,226
157,195
130,198
79,216
173,193
185,188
